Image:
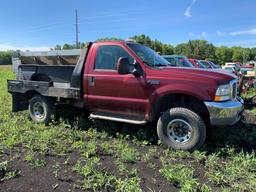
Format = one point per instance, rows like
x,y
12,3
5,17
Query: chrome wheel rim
x,y
179,131
38,110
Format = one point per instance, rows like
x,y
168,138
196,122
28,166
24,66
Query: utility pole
x,y
77,41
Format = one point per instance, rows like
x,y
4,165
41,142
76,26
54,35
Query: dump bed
x,y
54,74
62,66
56,57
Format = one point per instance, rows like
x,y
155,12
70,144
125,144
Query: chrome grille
x,y
233,85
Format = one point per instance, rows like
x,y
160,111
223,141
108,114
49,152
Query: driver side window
x,y
108,55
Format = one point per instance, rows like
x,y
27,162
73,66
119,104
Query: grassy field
x,y
5,67
82,155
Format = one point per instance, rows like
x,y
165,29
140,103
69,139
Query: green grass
x,y
238,173
180,175
250,93
7,174
222,165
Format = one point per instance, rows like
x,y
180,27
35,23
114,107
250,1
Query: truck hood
x,y
218,75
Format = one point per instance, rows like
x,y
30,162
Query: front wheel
x,y
41,109
181,128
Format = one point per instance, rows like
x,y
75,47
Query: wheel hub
x,y
178,130
38,110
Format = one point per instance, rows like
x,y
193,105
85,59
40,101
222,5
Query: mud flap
x,y
20,102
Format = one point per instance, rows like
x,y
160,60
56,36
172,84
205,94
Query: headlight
x,y
223,93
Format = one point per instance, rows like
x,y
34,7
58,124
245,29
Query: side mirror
x,y
123,66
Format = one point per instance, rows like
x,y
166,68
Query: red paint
x,y
130,95
194,62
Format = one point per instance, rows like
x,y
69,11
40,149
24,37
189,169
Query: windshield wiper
x,y
173,65
155,65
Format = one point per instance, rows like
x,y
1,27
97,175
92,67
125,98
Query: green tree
x,y
167,49
252,55
143,39
5,57
57,47
240,54
223,54
199,49
156,45
109,39
181,49
68,46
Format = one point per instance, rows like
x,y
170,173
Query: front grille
x,y
233,89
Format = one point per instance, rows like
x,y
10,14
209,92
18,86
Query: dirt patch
x,y
152,180
43,178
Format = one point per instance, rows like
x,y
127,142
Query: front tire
x,y
41,109
181,128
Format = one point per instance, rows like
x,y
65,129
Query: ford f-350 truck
x,y
129,82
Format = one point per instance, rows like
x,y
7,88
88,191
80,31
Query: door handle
x,y
91,81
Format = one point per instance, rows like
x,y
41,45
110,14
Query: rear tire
x,y
41,109
181,128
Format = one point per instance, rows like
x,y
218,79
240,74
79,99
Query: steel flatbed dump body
x,y
55,74
51,89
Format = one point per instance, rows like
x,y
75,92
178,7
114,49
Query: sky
x,y
41,24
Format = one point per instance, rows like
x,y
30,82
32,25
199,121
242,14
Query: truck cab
x,y
130,83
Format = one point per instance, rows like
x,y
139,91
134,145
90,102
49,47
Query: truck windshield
x,y
148,56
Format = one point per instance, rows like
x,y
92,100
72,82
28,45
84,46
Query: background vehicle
x,y
197,64
130,83
231,64
178,60
231,69
203,64
214,66
206,64
245,68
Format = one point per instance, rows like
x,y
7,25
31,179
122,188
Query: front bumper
x,y
225,113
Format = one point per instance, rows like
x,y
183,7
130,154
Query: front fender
x,y
201,93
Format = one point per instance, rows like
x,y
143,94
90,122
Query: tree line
x,y
198,49
5,57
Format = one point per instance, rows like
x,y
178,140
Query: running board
x,y
118,118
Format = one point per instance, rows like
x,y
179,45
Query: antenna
x,y
77,41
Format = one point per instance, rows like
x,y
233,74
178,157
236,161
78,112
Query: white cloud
x,y
220,33
191,34
187,12
6,47
244,32
204,34
243,43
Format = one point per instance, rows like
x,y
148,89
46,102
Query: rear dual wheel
x,y
181,128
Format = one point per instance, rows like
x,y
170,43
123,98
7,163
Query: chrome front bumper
x,y
225,113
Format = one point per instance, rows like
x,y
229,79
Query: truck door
x,y
109,91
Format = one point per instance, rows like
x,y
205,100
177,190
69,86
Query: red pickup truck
x,y
129,82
